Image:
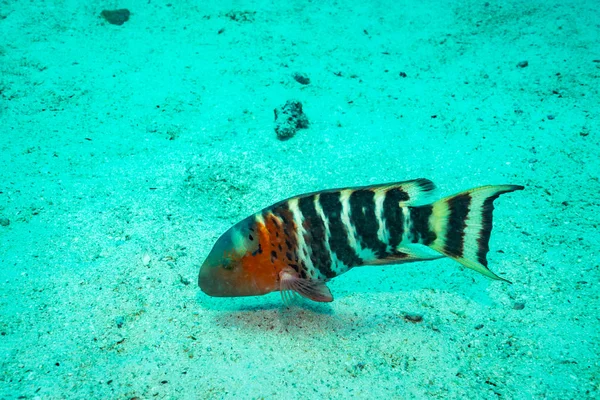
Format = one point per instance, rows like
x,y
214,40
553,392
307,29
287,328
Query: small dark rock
x,y
478,327
4,221
288,119
522,64
120,320
116,17
301,78
550,117
519,306
402,74
414,318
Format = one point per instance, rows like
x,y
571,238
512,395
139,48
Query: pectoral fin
x,y
291,283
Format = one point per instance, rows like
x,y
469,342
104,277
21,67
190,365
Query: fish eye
x,y
227,262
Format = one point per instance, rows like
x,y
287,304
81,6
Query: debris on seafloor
x,y
116,17
301,78
414,318
288,119
241,16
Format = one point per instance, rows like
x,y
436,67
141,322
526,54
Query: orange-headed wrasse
x,y
297,245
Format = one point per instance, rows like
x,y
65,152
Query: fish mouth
x,y
208,283
220,282
217,282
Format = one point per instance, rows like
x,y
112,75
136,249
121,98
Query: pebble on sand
x,y
301,78
116,17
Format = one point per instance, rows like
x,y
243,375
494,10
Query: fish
x,y
297,245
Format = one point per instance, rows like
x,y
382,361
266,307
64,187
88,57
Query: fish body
x,y
295,246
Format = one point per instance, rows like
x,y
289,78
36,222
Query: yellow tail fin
x,y
463,224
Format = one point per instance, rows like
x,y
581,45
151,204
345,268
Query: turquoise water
x,y
127,150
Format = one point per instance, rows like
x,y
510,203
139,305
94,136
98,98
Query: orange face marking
x,y
265,265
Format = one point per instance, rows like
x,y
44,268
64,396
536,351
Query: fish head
x,y
226,272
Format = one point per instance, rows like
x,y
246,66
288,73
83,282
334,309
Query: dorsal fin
x,y
416,192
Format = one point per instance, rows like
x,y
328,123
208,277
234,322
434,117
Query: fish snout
x,y
208,282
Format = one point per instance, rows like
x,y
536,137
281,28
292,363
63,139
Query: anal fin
x,y
405,255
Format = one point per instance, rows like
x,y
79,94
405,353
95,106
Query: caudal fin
x,y
463,224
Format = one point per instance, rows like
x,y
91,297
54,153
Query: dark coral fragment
x,y
288,119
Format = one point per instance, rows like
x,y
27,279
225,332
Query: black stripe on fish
x,y
338,235
364,220
283,215
486,228
282,211
392,213
458,208
315,236
419,230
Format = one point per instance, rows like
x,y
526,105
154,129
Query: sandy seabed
x,y
125,151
